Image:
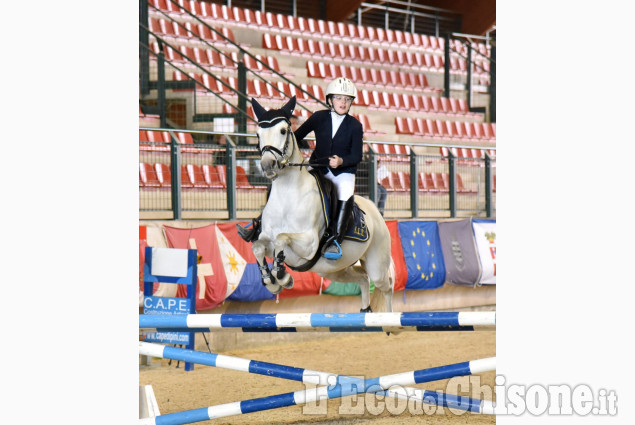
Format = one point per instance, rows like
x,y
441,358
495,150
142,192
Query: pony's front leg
x,y
259,249
292,246
280,272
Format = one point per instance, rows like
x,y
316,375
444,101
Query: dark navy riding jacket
x,y
347,143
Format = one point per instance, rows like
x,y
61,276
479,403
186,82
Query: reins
x,y
282,154
306,164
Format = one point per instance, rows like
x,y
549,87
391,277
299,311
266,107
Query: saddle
x,y
356,229
355,224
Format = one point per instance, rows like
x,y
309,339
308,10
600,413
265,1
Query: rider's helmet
x,y
340,86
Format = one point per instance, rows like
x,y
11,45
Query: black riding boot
x,y
250,234
333,249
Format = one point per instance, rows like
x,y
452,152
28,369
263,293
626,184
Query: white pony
x,y
293,221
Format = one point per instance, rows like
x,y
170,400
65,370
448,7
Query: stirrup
x,y
334,255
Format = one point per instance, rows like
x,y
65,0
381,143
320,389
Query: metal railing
x,y
224,181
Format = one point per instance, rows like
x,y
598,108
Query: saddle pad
x,y
357,230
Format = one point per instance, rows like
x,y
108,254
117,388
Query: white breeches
x,y
345,184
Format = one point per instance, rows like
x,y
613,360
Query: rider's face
x,y
341,104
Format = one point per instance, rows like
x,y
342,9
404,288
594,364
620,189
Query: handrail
x,y
196,64
243,51
408,12
409,4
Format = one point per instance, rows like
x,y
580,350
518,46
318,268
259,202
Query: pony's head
x,y
276,141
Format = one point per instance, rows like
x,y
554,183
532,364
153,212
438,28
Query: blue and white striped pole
x,y
341,386
333,322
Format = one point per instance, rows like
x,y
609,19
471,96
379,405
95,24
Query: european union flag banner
x,y
422,253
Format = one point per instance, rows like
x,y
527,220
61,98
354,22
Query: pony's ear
x,y
289,107
258,110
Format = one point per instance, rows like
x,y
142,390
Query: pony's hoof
x,y
274,288
287,282
366,310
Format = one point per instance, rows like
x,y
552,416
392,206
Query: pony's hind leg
x,y
384,280
355,274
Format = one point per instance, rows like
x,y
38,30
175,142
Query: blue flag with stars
x,y
423,254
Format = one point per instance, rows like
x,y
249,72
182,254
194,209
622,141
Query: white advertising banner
x,y
485,236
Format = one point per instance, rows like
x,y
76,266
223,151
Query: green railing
x,y
224,181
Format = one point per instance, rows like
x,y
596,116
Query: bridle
x,y
282,159
281,156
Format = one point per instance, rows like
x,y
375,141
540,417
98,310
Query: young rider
x,y
338,145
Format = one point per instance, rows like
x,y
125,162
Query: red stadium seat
x,y
147,176
450,129
222,174
269,41
242,182
313,70
186,181
469,131
488,132
438,64
143,136
440,182
422,128
196,176
436,128
227,13
211,176
459,130
260,19
239,15
163,174
394,184
184,138
423,184
404,181
312,26
364,97
158,136
303,26
363,119
401,126
444,104
167,29
290,24
428,183
461,105
180,31
478,130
